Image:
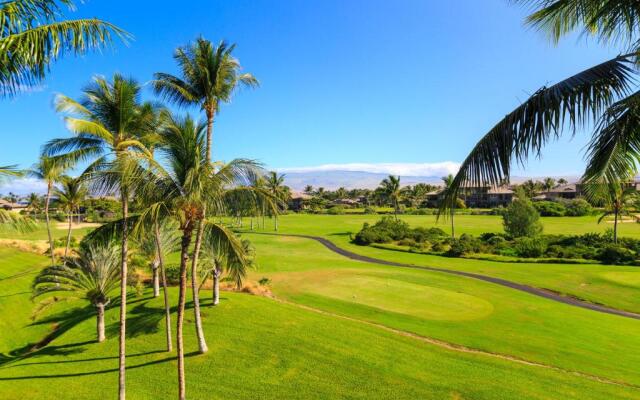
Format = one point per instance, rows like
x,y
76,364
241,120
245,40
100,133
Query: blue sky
x,y
342,81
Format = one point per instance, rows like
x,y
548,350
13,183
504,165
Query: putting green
x,y
404,297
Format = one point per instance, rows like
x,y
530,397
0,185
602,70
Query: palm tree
x,y
275,186
93,276
391,190
210,75
189,185
32,36
604,95
154,248
51,171
548,184
562,181
448,183
8,218
109,123
308,190
71,194
227,253
34,203
617,198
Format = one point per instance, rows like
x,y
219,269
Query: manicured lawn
x,y
616,286
454,309
259,348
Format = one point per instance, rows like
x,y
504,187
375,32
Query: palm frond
x,y
540,119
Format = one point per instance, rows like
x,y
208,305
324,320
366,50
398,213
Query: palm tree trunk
x,y
123,298
100,322
251,223
202,344
165,290
216,285
210,115
46,215
155,277
453,232
184,256
615,226
276,222
66,248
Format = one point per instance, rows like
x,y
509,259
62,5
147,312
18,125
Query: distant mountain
x,y
332,180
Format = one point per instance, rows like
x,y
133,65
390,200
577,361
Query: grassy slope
x,y
40,232
458,310
612,285
259,349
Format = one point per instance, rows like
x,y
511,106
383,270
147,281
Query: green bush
x,y
616,254
530,247
172,272
336,210
578,208
550,208
466,244
521,218
370,210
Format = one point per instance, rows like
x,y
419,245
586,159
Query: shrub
x,y
578,208
529,247
173,274
336,210
550,208
466,244
370,210
521,218
615,254
264,281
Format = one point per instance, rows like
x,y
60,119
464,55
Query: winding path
x,y
547,294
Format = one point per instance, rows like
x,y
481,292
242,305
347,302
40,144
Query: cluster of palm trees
x,y
158,163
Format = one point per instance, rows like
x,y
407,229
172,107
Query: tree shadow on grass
x,y
104,371
141,320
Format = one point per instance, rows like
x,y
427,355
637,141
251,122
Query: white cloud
x,y
23,186
403,169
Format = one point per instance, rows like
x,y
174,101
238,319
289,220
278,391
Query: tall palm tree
x,y
71,194
50,170
391,190
92,275
33,35
275,185
209,76
604,95
562,181
109,123
186,187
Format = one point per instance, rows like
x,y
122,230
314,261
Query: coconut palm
x,y
308,190
562,181
604,95
618,200
227,253
209,76
390,189
92,275
275,185
109,124
33,35
51,171
34,203
188,185
71,194
8,218
548,184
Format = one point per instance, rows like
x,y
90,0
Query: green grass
x,y
259,348
590,282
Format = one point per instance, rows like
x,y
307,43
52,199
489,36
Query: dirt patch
x,y
29,246
65,225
